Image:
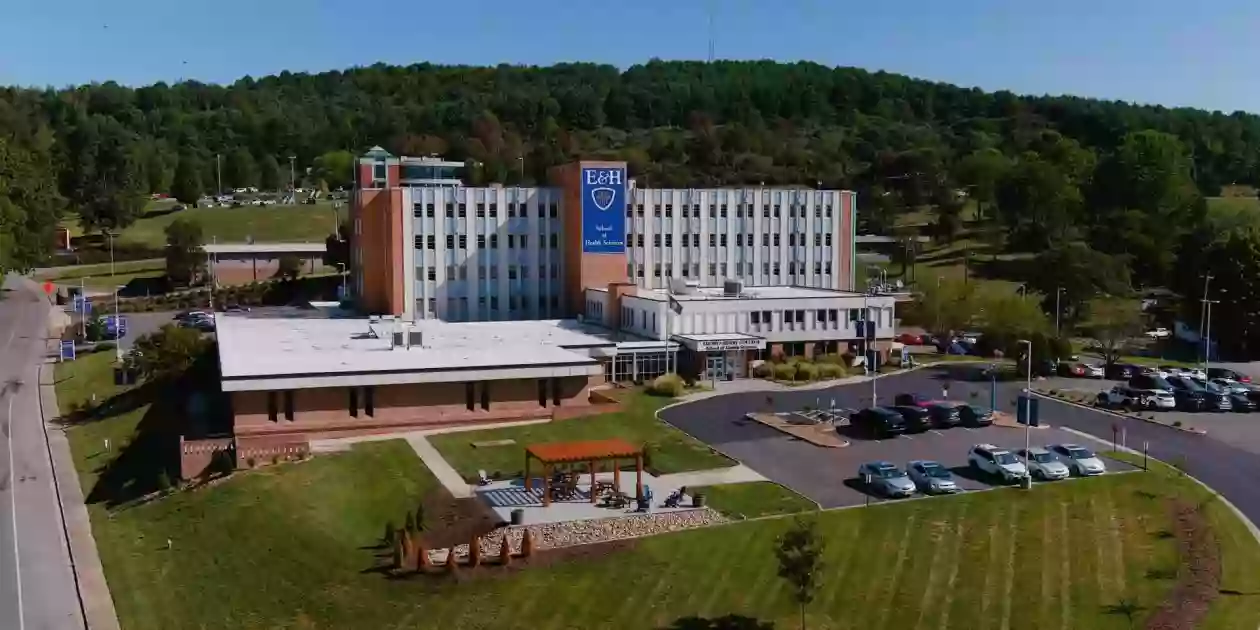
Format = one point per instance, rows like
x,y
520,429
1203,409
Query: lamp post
x,y
1207,335
342,270
1207,280
1023,290
292,178
1058,293
218,174
1027,401
117,328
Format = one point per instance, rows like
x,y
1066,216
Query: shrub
x,y
164,481
765,370
830,370
833,359
806,371
669,385
1176,423
784,372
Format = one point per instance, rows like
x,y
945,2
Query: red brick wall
x,y
844,241
583,270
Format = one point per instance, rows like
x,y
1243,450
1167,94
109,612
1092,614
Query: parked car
x,y
1080,369
931,478
1118,397
1080,460
1195,373
1230,385
878,421
1229,374
1043,465
1173,370
917,419
996,461
911,339
974,416
1150,381
1159,333
184,315
1122,371
1187,389
944,415
235,308
913,400
1238,400
886,479
1154,371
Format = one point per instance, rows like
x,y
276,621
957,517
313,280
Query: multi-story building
x,y
425,249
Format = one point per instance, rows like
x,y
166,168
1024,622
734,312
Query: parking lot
x,y
828,475
1240,429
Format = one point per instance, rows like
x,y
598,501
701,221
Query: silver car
x,y
931,478
886,479
1080,460
1042,464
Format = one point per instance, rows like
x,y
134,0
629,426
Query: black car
x,y
917,419
1122,371
1192,397
944,415
878,421
1240,402
912,400
973,416
1229,374
1150,381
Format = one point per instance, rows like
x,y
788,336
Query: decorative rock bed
x,y
571,533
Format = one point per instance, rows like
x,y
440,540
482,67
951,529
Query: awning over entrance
x,y
721,342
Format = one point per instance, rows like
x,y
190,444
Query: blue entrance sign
x,y
603,210
67,350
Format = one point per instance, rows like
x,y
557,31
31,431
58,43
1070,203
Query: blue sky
x,y
1152,51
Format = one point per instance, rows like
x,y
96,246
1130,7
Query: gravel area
x,y
571,533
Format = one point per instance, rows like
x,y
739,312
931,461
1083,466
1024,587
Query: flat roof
x,y
265,248
263,345
749,293
583,451
718,337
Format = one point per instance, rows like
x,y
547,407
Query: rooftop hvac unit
x,y
679,286
732,288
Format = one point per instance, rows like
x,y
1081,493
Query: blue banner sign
x,y
604,210
67,350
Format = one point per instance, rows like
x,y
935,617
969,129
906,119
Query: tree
x,y
101,178
945,307
335,168
269,177
1078,273
289,267
337,247
185,260
1111,323
981,172
239,169
94,329
800,561
186,187
1038,203
1006,318
169,352
29,203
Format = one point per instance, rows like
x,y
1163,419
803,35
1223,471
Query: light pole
x,y
109,235
218,174
1058,293
1207,280
342,267
292,178
520,159
117,328
1207,335
937,299
1028,358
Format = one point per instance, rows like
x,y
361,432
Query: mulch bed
x,y
449,521
1199,577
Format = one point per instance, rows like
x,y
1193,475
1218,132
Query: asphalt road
x,y
37,587
1230,470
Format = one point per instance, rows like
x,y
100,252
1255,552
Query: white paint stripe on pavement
x,y
17,560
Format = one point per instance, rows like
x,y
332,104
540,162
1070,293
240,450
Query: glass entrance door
x,y
715,367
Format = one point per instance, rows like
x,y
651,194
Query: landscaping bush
x,y
806,371
830,370
670,385
784,372
765,370
830,359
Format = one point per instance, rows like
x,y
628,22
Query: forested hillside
x,y
1109,185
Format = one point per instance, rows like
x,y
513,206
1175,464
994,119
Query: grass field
x,y
97,276
292,547
670,450
263,224
753,499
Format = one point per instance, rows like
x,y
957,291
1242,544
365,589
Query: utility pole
x,y
1207,279
292,178
1207,335
218,173
1058,292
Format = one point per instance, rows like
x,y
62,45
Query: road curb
x,y
95,601
1116,414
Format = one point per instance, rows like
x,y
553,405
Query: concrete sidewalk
x,y
98,604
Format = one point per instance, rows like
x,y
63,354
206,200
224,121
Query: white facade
x,y
496,253
776,314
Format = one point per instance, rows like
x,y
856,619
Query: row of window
x,y
514,241
454,272
460,210
740,240
515,302
716,211
364,399
798,316
720,269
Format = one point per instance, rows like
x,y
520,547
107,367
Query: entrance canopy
x,y
722,342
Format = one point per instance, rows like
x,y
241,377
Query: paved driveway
x,y
1231,470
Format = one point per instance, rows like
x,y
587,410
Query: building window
x,y
656,270
416,210
765,240
817,239
428,210
511,272
450,241
669,240
827,269
272,411
776,210
551,210
430,242
755,318
739,240
494,241
418,242
638,240
469,397
288,405
713,240
524,241
354,402
463,210
827,240
511,241
684,271
712,269
551,241
776,240
481,210
431,273
712,212
481,241
463,241
511,208
639,271
722,211
494,210
656,240
450,210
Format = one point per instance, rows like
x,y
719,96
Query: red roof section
x,y
583,451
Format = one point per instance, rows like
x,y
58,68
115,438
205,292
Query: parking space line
x,y
937,432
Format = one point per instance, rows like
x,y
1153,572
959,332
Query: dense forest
x,y
1112,188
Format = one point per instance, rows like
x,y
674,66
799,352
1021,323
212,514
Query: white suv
x,y
996,461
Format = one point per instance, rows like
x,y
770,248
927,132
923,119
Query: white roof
x,y
258,347
264,248
749,293
719,337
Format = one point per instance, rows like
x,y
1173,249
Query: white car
x,y
1042,464
1230,385
996,461
1159,333
1093,371
256,202
1195,373
1080,460
268,202
931,478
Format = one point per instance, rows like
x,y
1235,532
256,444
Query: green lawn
x,y
292,547
97,276
263,224
753,499
670,450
